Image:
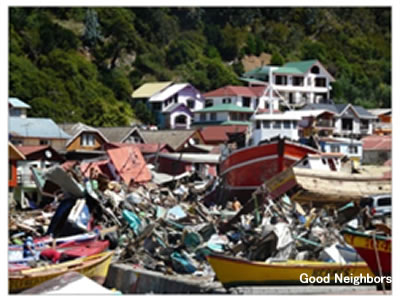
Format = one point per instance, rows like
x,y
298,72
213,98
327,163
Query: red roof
x,y
377,142
219,133
27,150
230,90
129,164
388,163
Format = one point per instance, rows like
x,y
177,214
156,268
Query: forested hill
x,y
81,64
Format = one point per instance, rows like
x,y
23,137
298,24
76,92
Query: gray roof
x,y
380,111
116,134
35,127
15,102
339,108
362,112
174,138
74,128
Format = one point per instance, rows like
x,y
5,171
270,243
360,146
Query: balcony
x,y
26,180
325,123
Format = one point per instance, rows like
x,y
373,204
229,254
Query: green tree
x,y
144,114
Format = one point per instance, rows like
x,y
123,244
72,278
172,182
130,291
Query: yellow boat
x,y
234,272
94,267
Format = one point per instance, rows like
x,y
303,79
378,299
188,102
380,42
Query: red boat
x,y
375,250
246,169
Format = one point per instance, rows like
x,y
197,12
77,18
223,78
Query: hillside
x,y
80,64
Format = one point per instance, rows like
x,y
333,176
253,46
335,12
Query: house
x,y
14,155
383,124
350,147
253,97
217,135
85,141
316,122
130,135
377,149
297,83
36,132
223,114
172,103
267,126
17,108
349,120
177,139
39,157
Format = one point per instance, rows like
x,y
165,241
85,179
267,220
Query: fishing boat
x,y
318,186
235,272
244,170
376,250
94,267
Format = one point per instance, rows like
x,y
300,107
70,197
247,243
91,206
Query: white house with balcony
x,y
267,126
349,120
351,147
253,97
297,83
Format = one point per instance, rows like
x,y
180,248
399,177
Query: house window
x,y
227,100
208,103
315,70
17,142
176,98
347,124
258,125
291,98
277,125
321,82
87,139
266,104
335,148
180,120
298,81
202,117
364,125
286,124
266,124
190,103
294,124
353,149
246,101
213,116
234,116
281,80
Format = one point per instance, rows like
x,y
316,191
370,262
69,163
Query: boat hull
x,y
364,245
235,272
95,267
246,169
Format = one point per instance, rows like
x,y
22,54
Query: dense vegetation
x,y
81,64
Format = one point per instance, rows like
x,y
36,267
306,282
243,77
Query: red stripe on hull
x,y
385,260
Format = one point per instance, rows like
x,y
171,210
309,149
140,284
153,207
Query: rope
x,y
378,261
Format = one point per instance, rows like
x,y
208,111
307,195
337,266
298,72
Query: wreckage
x,y
163,222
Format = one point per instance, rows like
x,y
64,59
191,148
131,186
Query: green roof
x,y
236,123
264,70
226,107
296,67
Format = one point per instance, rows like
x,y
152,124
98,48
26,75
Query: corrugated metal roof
x,y
35,127
15,102
219,133
302,66
149,89
168,92
174,138
231,90
377,142
288,70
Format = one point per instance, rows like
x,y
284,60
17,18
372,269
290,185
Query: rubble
x,y
161,224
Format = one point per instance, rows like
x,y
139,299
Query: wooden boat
x,y
234,272
244,170
375,253
325,186
94,267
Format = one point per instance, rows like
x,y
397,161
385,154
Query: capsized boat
x,y
232,271
94,267
244,170
375,249
319,186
